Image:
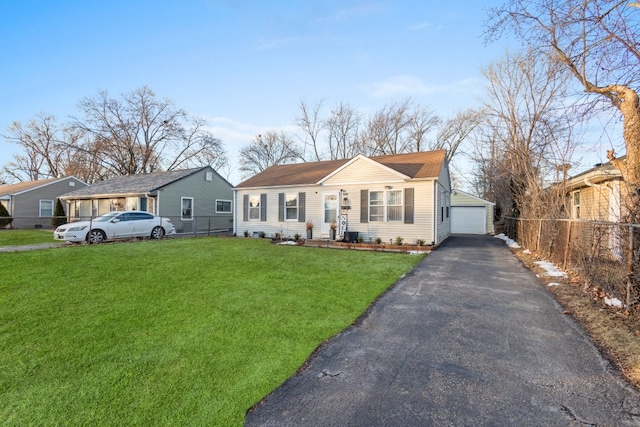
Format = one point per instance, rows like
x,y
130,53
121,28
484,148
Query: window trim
x,y
190,217
296,207
255,208
223,211
388,205
40,208
575,208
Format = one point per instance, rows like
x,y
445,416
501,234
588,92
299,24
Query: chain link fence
x,y
605,254
197,225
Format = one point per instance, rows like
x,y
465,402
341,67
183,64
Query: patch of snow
x,y
526,251
510,243
613,302
418,252
553,284
550,269
288,243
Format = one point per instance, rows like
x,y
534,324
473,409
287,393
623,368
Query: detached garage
x,y
470,214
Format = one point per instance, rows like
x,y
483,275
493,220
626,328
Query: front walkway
x,y
470,337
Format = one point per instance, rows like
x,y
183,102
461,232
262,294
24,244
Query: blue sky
x,y
242,65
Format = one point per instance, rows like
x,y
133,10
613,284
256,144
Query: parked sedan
x,y
116,225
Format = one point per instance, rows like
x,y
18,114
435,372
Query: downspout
x,y
435,211
235,212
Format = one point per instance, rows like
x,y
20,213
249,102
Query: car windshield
x,y
106,217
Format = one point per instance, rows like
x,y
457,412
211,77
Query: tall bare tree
x,y
453,132
343,128
140,133
272,148
525,130
311,125
43,143
598,42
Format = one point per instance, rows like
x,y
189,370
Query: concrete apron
x,y
469,337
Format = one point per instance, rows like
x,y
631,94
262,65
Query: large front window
x,y
187,208
254,208
291,207
386,206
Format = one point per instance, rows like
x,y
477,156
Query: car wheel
x,y
95,237
157,232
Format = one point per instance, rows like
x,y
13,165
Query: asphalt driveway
x,y
470,337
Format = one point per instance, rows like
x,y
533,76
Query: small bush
x,y
277,236
261,234
246,233
420,242
399,240
360,239
296,237
378,241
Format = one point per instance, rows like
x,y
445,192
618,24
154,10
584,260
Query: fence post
x,y
567,244
630,267
539,233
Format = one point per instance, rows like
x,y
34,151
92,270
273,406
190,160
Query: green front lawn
x,y
25,237
170,332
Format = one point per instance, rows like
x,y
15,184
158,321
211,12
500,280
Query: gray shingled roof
x,y
131,184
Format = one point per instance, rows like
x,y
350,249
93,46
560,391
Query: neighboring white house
x,y
386,197
470,214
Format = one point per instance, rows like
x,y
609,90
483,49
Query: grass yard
x,y
25,237
170,332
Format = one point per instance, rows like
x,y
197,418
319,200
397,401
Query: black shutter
x,y
408,205
263,207
364,206
302,206
280,207
245,207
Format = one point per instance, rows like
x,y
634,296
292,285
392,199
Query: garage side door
x,y
468,219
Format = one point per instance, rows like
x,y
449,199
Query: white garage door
x,y
469,219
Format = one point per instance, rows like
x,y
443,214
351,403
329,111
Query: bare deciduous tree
x,y
272,148
525,132
311,124
141,134
42,141
454,131
343,129
598,42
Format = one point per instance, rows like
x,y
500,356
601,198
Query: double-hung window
x,y
254,208
223,206
46,208
291,207
376,206
576,204
187,208
394,205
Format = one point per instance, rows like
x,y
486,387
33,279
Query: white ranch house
x,y
386,197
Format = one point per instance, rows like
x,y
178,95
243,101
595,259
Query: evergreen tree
x,y
59,216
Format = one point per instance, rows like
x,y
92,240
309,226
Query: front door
x,y
329,212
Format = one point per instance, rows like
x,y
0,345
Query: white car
x,y
116,225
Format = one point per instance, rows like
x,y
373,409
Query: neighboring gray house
x,y
31,204
196,200
386,197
